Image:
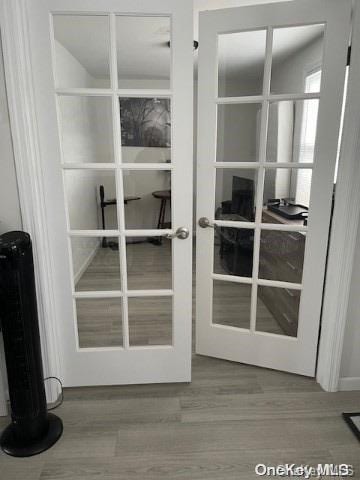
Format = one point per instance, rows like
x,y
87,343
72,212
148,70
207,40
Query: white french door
x,y
267,147
113,84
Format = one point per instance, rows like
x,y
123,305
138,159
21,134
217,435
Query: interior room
x,y
92,195
286,191
194,318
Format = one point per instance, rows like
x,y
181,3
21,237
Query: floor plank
x,y
228,465
149,266
230,418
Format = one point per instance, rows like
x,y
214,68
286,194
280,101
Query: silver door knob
x,y
181,232
204,222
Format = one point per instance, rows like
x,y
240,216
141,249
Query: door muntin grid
x,y
110,91
266,166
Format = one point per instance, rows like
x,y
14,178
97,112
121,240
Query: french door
x,y
113,84
271,81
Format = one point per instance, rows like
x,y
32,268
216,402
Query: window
x,y
341,123
307,139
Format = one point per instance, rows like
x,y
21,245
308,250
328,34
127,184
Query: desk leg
x,y
160,214
104,240
161,219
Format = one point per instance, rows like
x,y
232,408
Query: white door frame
x,y
344,230
20,92
28,158
21,99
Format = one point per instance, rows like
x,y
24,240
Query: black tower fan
x,y
32,429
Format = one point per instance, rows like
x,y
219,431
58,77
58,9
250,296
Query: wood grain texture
x,y
150,322
150,319
218,427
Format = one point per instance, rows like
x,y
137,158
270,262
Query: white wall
x,y
237,139
350,365
10,216
238,126
69,71
144,213
289,75
279,149
78,135
86,125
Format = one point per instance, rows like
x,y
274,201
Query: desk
x,y
281,258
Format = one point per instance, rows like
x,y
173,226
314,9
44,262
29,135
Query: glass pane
x,y
238,132
278,310
233,251
297,52
96,264
82,51
292,131
231,304
147,199
143,51
83,195
149,263
235,194
241,63
287,196
86,129
282,255
145,130
150,321
99,322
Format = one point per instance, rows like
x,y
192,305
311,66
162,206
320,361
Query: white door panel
x,y
96,64
260,274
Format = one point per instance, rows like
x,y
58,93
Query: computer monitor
x,y
243,197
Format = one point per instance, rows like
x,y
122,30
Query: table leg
x,y
102,206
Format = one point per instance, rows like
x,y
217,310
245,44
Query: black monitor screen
x,y
243,193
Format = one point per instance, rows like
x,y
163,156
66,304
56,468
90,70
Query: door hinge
x,y
348,56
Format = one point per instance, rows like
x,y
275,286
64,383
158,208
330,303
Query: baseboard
x,y
347,384
86,264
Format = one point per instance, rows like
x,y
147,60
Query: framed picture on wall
x,y
145,122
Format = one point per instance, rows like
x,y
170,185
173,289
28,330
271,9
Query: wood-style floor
x,y
230,418
150,319
227,420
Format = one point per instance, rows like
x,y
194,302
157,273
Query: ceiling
x,y
235,56
142,43
142,48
